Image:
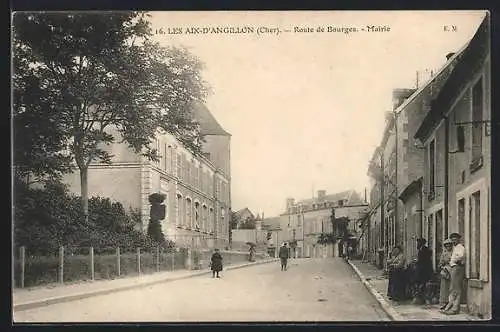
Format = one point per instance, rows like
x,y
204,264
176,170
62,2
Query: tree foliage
x,y
327,238
84,81
47,218
249,223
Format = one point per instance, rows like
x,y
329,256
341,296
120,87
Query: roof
x,y
469,58
271,223
350,195
206,120
241,211
411,188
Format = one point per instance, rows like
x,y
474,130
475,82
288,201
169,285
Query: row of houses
x,y
196,186
304,221
431,173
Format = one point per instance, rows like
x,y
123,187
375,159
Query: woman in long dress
x,y
216,263
397,276
444,267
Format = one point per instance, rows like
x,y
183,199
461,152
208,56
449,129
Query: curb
x,y
84,295
389,310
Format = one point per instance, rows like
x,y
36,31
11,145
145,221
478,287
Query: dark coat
x,y
283,253
216,262
424,265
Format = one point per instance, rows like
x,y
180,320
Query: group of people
x,y
413,279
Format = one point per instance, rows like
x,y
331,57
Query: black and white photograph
x,y
251,166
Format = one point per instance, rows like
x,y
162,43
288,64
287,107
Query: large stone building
x,y
197,187
304,221
443,169
456,134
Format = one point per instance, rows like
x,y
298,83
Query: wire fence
x,y
76,264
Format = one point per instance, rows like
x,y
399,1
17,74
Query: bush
x,y
50,217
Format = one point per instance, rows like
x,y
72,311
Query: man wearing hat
x,y
424,270
283,253
457,275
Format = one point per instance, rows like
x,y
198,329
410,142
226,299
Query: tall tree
x,y
100,79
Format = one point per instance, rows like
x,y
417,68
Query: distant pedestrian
x,y
457,275
284,255
216,263
397,278
445,273
424,270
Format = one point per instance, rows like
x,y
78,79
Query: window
x,y
211,221
430,233
432,168
405,149
199,178
197,215
171,156
461,216
165,158
477,118
188,213
158,150
405,127
179,210
475,234
204,218
194,174
179,166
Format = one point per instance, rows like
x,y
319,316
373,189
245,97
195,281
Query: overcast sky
x,y
306,110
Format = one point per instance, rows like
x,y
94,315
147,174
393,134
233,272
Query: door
x,y
440,235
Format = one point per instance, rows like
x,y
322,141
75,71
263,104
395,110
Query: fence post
x,y
61,264
23,262
118,260
173,259
92,263
139,260
158,259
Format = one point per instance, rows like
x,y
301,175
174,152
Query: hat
x,y
447,241
456,235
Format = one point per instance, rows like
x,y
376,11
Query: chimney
x,y
321,194
449,55
399,96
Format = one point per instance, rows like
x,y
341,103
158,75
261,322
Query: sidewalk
x,y
377,284
24,299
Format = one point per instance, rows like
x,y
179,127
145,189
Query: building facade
x,y
304,221
456,135
196,186
401,161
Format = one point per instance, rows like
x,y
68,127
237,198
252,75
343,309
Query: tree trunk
x,y
84,187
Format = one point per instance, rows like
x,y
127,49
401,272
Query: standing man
x,y
424,270
283,256
457,275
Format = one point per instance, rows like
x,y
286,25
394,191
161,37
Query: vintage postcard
x,y
251,166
